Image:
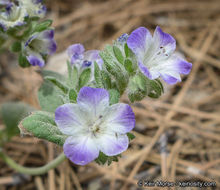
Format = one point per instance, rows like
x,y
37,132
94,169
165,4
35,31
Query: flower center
x,y
96,126
154,57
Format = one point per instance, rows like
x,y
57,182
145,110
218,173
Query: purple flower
x,y
81,58
12,16
123,38
93,126
38,45
4,2
33,7
156,57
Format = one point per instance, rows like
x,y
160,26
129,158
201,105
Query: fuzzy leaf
x,y
114,68
106,79
114,96
118,54
41,125
57,83
23,62
98,77
12,113
49,97
43,26
72,96
84,77
128,65
16,47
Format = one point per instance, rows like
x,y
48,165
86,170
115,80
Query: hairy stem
x,y
32,171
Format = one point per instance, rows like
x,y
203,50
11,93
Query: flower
x,y
38,45
93,126
156,55
4,2
83,59
12,16
33,7
123,38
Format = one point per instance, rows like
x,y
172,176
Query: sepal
x,y
137,88
103,159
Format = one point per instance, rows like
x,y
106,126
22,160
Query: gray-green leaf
x,y
41,125
11,114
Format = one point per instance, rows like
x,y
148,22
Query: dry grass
x,y
177,136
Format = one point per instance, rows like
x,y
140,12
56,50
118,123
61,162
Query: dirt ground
x,y
177,135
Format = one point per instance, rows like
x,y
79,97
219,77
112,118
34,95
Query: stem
x,y
33,171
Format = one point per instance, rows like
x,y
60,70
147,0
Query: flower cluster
x,y
89,121
14,15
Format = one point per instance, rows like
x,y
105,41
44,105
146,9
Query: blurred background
x,y
177,136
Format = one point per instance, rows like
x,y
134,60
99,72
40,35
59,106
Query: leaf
x,y
43,26
106,79
23,62
84,77
118,54
11,114
46,73
114,96
16,47
42,125
98,77
131,136
127,50
114,68
72,96
128,65
49,97
74,78
57,83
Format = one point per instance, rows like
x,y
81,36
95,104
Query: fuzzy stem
x,y
33,171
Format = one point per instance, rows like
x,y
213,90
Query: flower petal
x,y
75,52
35,60
149,74
171,69
112,144
92,56
184,67
120,118
47,35
170,79
80,149
139,41
95,100
164,40
50,46
33,7
70,118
